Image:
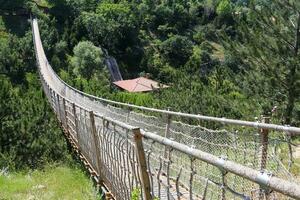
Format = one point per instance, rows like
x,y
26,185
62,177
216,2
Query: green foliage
x,y
82,5
111,25
11,63
268,45
10,5
98,84
176,50
135,194
224,7
27,127
141,99
29,133
87,59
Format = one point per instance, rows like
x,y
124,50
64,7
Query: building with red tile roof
x,y
140,84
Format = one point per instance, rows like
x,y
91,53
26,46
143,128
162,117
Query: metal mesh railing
x,y
105,134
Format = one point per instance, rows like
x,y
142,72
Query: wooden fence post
x,y
167,130
264,144
224,184
76,123
59,111
65,112
51,99
128,115
96,144
138,139
264,137
167,135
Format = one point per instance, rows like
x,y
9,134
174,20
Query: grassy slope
x,y
58,182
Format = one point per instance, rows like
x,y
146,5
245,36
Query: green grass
x,y
56,182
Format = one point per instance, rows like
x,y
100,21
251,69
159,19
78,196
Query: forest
x,y
237,59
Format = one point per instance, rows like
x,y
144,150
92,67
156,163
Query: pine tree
x,y
268,44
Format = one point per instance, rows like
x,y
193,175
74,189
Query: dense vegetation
x,y
236,59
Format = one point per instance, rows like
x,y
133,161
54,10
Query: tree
x,y
87,59
113,26
70,9
177,50
268,43
15,54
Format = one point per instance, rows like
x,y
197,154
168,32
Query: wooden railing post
x,y
51,99
224,184
168,124
59,111
264,144
138,139
76,123
128,115
167,135
264,137
96,144
65,113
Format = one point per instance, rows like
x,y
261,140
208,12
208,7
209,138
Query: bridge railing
x,y
103,131
112,150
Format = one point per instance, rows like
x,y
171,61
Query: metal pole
x,y
142,163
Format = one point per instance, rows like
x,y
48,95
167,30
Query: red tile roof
x,y
140,84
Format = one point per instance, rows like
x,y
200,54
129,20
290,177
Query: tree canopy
x,y
87,59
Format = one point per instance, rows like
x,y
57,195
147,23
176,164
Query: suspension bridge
x,y
129,148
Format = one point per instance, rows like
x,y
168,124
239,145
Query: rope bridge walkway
x,y
127,147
